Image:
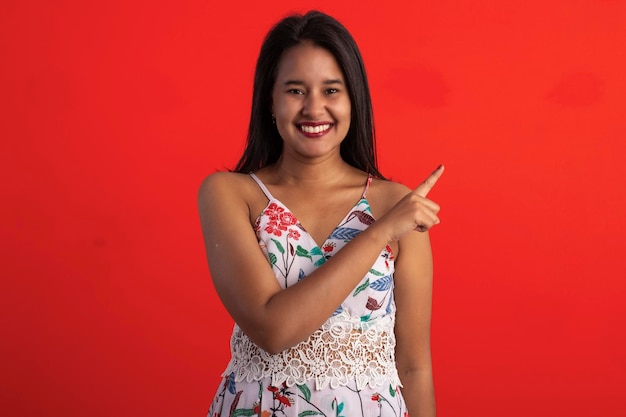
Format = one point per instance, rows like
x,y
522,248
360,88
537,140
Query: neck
x,y
308,172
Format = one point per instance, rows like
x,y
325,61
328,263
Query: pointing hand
x,y
423,189
414,211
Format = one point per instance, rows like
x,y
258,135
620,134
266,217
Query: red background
x,y
113,112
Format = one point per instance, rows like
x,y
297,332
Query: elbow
x,y
272,349
275,343
271,339
272,330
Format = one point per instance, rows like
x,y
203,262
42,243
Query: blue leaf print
x,y
344,233
388,309
301,274
382,284
231,383
338,311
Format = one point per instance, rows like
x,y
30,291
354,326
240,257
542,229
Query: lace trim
x,y
342,350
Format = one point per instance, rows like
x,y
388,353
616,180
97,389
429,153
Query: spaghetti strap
x,y
367,186
262,186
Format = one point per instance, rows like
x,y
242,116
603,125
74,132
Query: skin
x,y
310,177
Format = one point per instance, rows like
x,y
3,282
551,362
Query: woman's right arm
x,y
276,318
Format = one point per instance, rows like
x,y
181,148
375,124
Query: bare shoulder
x,y
224,191
222,181
226,186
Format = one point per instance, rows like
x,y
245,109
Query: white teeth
x,y
314,129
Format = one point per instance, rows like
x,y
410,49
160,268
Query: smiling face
x,y
310,102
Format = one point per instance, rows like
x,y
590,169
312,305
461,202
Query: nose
x,y
314,105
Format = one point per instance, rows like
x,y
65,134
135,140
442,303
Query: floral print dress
x,y
347,367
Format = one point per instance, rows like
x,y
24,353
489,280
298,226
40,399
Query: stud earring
x,y
273,119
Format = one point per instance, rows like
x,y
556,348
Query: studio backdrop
x,y
113,113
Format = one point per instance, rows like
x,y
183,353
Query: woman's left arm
x,y
413,279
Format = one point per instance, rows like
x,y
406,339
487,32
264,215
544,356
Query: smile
x,y
314,129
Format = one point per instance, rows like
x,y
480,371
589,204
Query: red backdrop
x,y
113,112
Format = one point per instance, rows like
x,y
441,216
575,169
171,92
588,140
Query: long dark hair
x,y
264,144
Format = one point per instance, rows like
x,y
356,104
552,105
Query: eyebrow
x,y
326,82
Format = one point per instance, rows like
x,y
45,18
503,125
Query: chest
x,y
293,255
318,213
320,220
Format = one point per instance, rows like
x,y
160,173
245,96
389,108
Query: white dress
x,y
345,368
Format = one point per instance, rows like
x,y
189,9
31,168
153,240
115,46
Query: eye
x,y
295,91
332,91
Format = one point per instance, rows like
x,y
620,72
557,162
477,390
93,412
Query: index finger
x,y
424,188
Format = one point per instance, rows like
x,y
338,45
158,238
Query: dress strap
x,y
262,186
367,186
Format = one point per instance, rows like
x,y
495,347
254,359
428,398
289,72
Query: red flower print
x,y
257,410
329,247
287,219
275,228
387,255
283,400
279,221
279,396
376,397
273,212
406,414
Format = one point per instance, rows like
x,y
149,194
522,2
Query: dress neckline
x,y
351,212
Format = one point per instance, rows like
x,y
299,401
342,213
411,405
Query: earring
x,y
273,119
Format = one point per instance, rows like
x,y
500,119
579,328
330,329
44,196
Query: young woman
x,y
324,265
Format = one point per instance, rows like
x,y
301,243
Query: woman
x,y
324,265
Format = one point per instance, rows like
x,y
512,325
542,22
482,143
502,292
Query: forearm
x,y
321,292
419,392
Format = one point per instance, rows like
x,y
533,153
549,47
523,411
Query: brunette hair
x,y
264,144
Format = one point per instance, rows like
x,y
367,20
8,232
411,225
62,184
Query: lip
x,y
313,125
